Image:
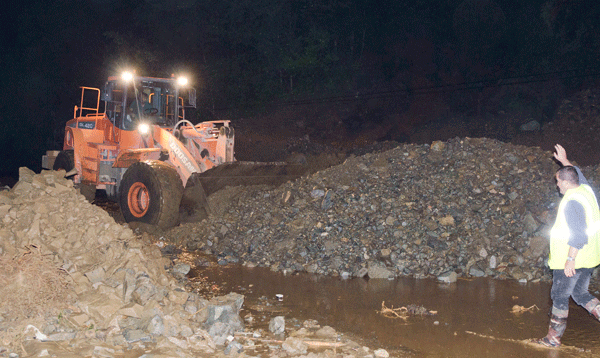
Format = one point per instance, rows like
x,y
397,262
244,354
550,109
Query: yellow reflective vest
x,y
589,255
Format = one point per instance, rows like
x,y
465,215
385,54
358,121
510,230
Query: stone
x,y
381,353
104,307
219,332
136,335
530,223
294,346
448,277
155,326
376,271
277,325
96,275
144,290
234,347
538,246
438,146
131,310
530,126
447,221
326,332
182,268
79,319
62,336
362,272
178,297
476,272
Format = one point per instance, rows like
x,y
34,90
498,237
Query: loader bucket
x,y
194,204
249,173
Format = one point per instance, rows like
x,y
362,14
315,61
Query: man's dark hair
x,y
569,173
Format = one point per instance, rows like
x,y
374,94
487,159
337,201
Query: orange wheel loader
x,y
141,149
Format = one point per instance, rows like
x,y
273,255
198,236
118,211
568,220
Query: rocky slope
x,y
466,207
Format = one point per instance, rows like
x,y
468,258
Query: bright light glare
x,y
143,128
127,76
182,81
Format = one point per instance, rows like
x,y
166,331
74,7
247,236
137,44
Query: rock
x,y
178,296
96,275
294,346
155,326
62,336
476,272
530,224
182,268
381,353
277,325
136,335
376,271
326,332
362,272
144,290
438,146
538,246
530,126
219,332
448,277
234,346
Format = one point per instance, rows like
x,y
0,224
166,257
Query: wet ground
x,y
473,317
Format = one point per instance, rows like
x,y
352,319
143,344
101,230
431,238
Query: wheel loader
x,y
141,149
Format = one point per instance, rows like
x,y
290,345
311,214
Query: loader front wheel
x,y
150,192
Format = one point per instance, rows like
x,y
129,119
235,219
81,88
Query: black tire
x,y
150,192
64,160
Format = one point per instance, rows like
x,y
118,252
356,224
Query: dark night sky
x,y
247,52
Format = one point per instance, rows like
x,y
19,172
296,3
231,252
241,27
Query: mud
x,y
473,319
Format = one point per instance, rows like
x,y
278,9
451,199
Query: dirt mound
x,y
70,275
472,206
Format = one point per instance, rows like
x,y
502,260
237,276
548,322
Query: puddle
x,y
473,318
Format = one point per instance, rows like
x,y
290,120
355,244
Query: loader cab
x,y
148,100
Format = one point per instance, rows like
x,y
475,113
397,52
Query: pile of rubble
x,y
121,295
465,207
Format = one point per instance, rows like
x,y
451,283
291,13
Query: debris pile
x,y
75,282
116,294
462,208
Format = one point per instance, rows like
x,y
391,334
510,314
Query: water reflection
x,y
474,316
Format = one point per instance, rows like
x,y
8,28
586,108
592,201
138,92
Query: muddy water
x,y
473,318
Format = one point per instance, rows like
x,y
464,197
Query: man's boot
x,y
593,307
558,324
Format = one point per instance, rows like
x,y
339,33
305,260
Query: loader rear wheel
x,y
64,160
150,192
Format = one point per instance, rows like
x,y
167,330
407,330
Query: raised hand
x,y
561,155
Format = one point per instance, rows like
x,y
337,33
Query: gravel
x,y
470,206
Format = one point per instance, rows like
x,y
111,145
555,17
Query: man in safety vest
x,y
574,248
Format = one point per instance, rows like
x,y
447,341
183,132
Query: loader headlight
x,y
127,76
182,81
143,128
